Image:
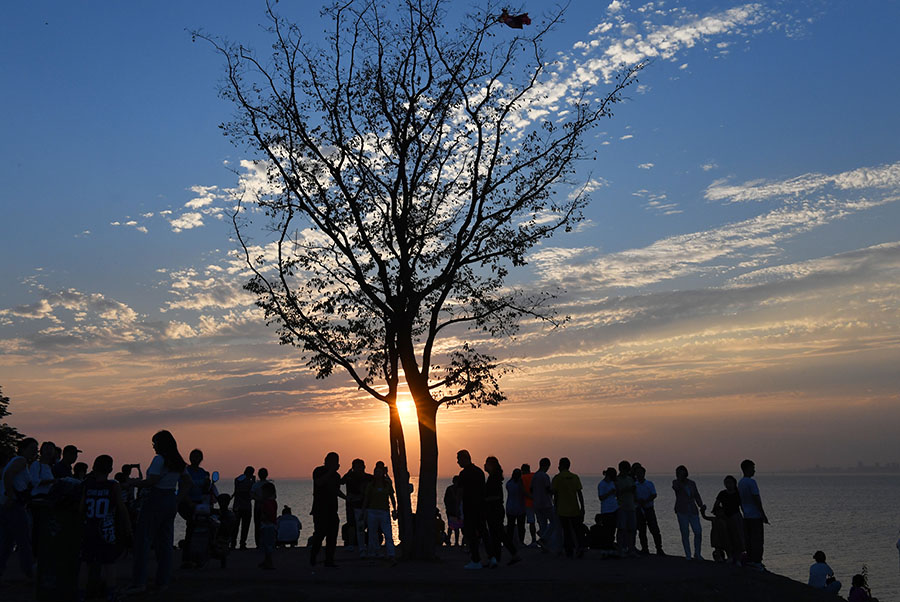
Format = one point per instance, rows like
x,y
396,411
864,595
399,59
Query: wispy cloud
x,y
881,177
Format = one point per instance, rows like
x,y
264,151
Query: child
x,y
595,537
718,535
728,508
267,519
441,537
227,529
859,592
288,527
102,507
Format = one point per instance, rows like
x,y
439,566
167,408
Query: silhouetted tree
x,y
405,177
9,436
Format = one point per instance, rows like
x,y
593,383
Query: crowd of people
x,y
486,512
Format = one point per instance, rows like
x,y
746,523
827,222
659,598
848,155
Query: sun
x,y
406,408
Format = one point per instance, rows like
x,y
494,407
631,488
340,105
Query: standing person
x,y
609,509
268,514
687,505
41,478
644,494
156,520
379,492
728,507
198,493
257,497
566,487
472,482
627,522
63,468
326,491
542,498
529,505
102,509
15,485
754,515
453,507
495,512
242,504
515,506
355,482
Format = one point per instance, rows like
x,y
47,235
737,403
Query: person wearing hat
x,y
821,576
63,468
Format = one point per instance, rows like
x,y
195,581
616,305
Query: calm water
x,y
853,518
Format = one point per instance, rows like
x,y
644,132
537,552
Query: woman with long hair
x,y
495,512
156,521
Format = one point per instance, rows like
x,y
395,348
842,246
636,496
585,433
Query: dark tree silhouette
x,y
404,181
9,436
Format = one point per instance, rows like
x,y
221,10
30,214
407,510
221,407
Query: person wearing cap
x,y
63,468
821,576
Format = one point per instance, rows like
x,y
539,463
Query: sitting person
x,y
821,576
288,528
859,590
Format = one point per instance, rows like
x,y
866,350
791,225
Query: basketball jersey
x,y
100,509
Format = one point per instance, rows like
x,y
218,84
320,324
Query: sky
x,y
734,291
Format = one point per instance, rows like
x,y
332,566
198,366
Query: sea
x,y
853,518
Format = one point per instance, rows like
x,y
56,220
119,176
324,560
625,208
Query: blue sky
x,y
737,273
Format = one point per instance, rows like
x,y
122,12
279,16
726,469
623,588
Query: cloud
x,y
646,166
881,177
626,137
709,166
186,221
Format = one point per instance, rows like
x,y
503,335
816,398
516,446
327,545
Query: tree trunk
x,y
426,497
400,469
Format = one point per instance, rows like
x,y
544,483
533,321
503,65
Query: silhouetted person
x,y
106,522
15,485
326,523
42,479
242,503
288,528
495,513
198,493
754,515
859,590
257,497
529,505
79,470
515,507
627,522
355,482
63,468
453,507
471,481
821,576
566,487
687,505
268,514
542,497
156,520
728,508
644,496
378,494
609,509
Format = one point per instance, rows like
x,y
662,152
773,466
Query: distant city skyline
x,y
734,291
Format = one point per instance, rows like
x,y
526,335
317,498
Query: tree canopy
x,y
404,177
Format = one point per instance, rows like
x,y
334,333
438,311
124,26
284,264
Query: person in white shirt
x,y
42,479
644,494
754,515
15,484
288,528
821,576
